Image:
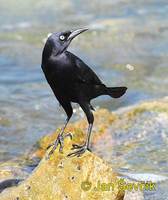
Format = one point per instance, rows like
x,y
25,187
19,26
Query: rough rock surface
x,y
117,138
61,177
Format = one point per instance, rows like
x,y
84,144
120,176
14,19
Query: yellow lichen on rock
x,y
61,177
103,119
155,106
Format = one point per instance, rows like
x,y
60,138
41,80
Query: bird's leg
x,y
59,140
82,148
76,146
88,136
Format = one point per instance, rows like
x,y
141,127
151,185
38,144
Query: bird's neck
x,y
50,49
47,51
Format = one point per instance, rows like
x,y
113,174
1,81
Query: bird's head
x,y
60,41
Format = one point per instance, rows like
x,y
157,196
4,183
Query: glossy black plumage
x,y
72,81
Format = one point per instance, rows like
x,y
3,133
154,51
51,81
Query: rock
x,y
9,183
103,119
129,125
11,173
62,177
16,170
114,137
145,177
134,195
13,169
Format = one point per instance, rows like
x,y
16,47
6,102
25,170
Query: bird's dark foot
x,y
58,141
80,151
77,146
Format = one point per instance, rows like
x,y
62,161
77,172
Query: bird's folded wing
x,y
85,74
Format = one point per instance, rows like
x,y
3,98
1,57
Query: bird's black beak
x,y
76,32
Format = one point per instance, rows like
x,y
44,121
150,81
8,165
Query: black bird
x,y
72,80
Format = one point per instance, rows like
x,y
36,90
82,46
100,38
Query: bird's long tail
x,y
116,92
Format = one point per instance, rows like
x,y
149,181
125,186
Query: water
x,y
121,32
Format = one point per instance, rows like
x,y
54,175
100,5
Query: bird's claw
x,y
76,146
58,141
50,145
68,135
79,152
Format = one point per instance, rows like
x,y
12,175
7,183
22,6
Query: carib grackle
x,y
72,80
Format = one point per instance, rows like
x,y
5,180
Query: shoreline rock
x,y
109,128
103,119
62,177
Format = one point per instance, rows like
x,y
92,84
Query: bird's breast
x,y
61,77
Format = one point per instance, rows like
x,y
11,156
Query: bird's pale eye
x,y
62,37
